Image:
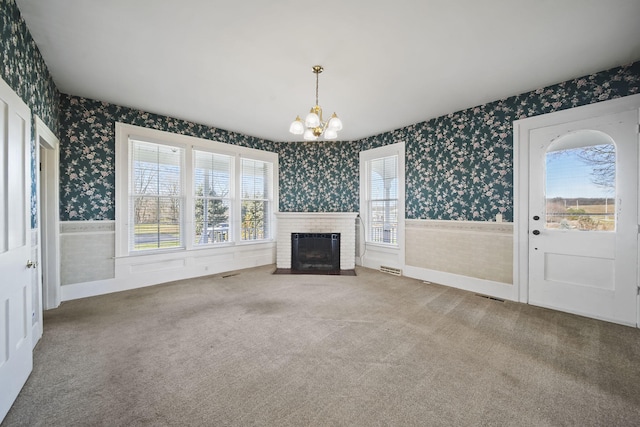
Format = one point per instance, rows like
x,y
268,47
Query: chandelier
x,y
314,126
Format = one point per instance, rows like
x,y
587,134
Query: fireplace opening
x,y
315,251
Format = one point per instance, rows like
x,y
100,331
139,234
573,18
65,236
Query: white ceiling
x,y
245,65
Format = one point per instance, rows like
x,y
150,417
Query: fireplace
x,y
316,222
315,251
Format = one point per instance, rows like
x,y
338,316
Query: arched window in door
x,y
580,182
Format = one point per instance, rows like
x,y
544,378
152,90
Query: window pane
x,y
580,188
255,215
384,221
145,178
255,179
212,174
156,223
169,181
256,199
383,200
383,178
212,186
212,221
156,196
156,169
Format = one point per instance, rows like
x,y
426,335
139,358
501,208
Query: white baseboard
x,y
141,271
485,287
91,289
128,281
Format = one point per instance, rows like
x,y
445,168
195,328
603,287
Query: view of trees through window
x,y
255,199
156,196
580,188
212,183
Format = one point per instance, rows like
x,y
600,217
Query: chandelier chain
x,y
317,73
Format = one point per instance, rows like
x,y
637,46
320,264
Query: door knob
x,y
31,264
536,232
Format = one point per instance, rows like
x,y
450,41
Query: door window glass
x,y
580,183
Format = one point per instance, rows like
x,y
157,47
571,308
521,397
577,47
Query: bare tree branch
x,y
602,159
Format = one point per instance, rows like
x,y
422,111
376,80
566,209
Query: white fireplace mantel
x,y
317,222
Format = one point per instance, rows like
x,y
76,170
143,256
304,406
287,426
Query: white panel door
x,y
15,247
583,217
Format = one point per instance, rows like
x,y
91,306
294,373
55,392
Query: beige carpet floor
x,y
256,349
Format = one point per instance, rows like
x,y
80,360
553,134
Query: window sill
x,y
383,246
183,250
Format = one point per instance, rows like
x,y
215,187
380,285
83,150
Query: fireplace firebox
x,y
315,251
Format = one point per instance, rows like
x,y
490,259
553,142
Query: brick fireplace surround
x,y
317,222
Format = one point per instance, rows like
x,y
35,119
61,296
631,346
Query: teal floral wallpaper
x,y
87,152
24,70
460,166
320,176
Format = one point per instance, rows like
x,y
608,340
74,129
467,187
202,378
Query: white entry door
x,y
15,247
583,217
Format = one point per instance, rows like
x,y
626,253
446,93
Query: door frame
x,y
521,142
48,214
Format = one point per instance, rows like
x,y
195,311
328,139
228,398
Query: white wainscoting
x,y
86,251
317,222
90,245
475,256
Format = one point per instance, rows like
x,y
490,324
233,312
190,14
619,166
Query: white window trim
x,y
124,132
376,253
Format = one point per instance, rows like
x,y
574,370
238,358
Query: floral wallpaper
x,y
460,166
87,152
319,176
24,70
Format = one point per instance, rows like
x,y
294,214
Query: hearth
x,y
315,251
